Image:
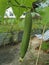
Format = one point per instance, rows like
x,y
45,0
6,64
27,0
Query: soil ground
x,y
9,55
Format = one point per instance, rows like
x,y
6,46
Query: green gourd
x,y
26,35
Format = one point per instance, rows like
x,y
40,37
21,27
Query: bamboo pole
x,y
40,46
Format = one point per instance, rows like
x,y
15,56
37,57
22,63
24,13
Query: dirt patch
x,y
9,56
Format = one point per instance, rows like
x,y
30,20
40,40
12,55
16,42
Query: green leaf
x,y
44,12
3,6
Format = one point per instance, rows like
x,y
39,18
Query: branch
x,y
17,2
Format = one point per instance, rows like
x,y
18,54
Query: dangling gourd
x,y
26,35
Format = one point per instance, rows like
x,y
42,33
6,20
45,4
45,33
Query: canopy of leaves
x,y
44,12
4,4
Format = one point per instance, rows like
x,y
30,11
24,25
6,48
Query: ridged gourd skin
x,y
26,35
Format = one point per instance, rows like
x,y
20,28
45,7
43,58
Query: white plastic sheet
x,y
23,15
45,37
9,13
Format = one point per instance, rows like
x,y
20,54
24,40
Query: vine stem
x,y
40,45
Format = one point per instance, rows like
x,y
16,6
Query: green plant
x,y
45,46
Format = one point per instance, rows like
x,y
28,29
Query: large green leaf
x,y
3,6
17,10
44,12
